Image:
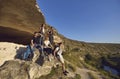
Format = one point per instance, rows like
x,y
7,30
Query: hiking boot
x,y
65,73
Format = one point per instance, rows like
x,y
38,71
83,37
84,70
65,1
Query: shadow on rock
x,y
19,53
40,60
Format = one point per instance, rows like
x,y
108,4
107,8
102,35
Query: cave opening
x,y
13,35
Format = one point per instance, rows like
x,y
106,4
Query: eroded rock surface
x,y
19,19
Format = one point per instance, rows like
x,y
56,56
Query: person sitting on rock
x,y
28,52
48,48
58,54
37,42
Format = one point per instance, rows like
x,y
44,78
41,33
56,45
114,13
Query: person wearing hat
x,y
58,54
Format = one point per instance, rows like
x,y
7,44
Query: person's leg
x,y
41,50
49,52
42,40
35,53
52,38
62,62
61,59
25,55
63,67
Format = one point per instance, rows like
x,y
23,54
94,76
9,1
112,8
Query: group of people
x,y
44,42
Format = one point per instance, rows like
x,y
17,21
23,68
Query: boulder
x,y
10,51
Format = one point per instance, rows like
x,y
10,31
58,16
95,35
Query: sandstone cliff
x,y
19,19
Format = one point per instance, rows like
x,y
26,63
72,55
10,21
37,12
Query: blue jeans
x,y
28,52
40,48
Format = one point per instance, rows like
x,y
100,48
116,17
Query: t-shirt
x,y
36,40
50,33
47,43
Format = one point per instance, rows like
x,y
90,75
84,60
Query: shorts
x,y
48,50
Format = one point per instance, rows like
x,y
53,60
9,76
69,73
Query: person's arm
x,y
52,32
54,53
50,45
32,42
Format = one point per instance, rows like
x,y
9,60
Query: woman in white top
x,y
48,48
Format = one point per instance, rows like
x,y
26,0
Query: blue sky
x,y
84,20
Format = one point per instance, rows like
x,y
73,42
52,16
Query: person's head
x,y
43,25
36,34
60,43
51,27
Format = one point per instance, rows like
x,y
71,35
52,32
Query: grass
x,y
91,54
71,67
74,58
52,73
108,75
56,73
93,61
92,76
77,76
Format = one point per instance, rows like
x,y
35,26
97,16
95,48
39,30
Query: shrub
x,y
77,76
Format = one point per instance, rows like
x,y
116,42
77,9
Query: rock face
x,y
19,19
10,51
17,69
12,67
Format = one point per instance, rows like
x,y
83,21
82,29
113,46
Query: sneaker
x,y
65,73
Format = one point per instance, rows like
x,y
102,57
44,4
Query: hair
x,y
59,43
51,27
35,32
46,38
